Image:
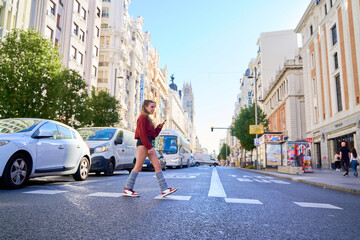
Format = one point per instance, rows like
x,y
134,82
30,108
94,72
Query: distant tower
x,y
188,100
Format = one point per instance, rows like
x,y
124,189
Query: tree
x,y
224,151
103,109
240,128
72,109
29,66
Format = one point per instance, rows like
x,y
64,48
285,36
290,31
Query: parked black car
x,y
148,165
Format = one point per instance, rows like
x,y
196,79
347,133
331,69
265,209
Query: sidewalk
x,y
320,177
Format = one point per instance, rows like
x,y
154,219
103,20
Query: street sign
x,y
309,140
256,142
256,129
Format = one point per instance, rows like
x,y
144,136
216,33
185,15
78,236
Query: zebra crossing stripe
x,y
175,197
105,194
49,192
244,201
317,205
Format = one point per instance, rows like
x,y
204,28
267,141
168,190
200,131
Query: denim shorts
x,y
139,143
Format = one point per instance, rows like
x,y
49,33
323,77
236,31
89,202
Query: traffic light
x,y
212,129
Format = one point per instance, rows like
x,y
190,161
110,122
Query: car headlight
x,y
4,142
103,148
176,159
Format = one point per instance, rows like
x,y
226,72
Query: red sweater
x,y
144,130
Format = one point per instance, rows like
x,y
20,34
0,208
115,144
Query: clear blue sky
x,y
210,43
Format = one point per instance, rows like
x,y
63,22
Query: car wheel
x,y
197,164
16,172
83,170
110,168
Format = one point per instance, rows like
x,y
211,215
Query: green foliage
x,y
29,66
240,128
72,98
218,157
224,151
103,109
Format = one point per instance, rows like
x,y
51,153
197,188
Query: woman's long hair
x,y
354,153
145,112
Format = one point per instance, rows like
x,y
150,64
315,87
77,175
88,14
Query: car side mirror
x,y
43,134
118,141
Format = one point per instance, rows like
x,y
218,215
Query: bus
x,y
174,147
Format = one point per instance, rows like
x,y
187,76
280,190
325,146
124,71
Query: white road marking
x,y
317,205
46,192
216,188
261,181
105,194
279,182
244,180
173,197
245,201
180,175
233,175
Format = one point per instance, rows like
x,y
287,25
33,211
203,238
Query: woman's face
x,y
150,108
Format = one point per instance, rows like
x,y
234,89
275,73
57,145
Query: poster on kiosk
x,y
299,155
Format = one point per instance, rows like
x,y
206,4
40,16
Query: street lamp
x,y
255,77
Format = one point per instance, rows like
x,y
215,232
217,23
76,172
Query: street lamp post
x,y
255,77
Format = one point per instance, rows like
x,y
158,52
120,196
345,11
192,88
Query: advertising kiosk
x,y
270,150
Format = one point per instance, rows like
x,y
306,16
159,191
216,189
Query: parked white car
x,y
111,149
37,147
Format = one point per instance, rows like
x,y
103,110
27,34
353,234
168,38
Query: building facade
x,y
74,26
330,32
284,102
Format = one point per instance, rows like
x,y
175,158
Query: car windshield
x,y
96,134
17,125
168,144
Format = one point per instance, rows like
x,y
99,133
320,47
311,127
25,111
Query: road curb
x,y
324,185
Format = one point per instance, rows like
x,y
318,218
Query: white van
x,y
111,149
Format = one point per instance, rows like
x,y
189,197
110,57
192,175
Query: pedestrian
x,y
345,158
337,161
354,161
145,133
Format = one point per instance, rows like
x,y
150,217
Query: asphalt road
x,y
211,203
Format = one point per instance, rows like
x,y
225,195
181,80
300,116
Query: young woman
x,y
145,133
354,161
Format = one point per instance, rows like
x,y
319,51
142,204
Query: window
x,y
314,86
325,8
73,52
336,62
105,12
82,35
76,29
49,33
80,58
96,51
97,31
77,6
312,60
94,71
56,42
51,127
98,12
65,132
58,22
331,3
311,30
61,3
316,114
334,34
338,93
83,13
52,7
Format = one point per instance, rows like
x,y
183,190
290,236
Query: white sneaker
x,y
130,193
168,191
